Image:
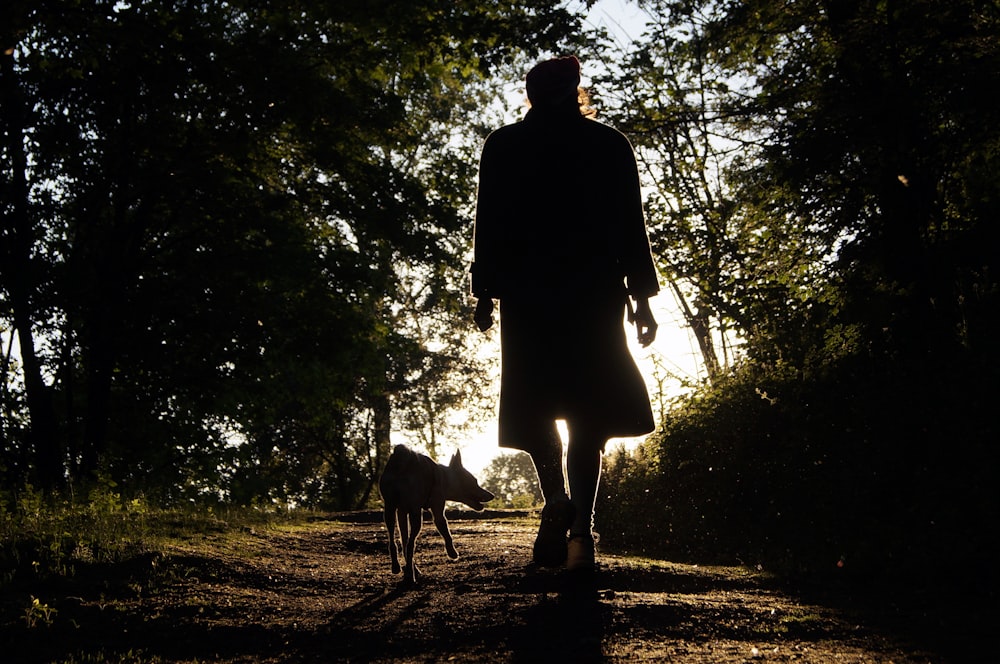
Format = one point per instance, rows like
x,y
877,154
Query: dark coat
x,y
560,238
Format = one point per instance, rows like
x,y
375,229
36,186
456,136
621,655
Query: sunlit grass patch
x,y
101,657
43,537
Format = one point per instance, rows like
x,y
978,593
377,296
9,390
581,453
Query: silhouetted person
x,y
560,241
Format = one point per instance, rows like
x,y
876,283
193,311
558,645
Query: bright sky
x,y
623,18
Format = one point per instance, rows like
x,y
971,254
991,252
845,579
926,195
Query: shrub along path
x,y
323,592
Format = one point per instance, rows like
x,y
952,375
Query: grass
x,y
43,538
49,545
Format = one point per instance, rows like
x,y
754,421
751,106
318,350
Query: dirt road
x,y
324,593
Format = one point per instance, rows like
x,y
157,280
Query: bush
x,y
41,536
629,516
859,471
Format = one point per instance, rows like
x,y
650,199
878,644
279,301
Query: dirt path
x,y
324,593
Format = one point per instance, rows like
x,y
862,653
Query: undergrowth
x,y
52,545
42,537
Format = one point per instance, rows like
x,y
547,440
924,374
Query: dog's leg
x,y
442,527
404,537
410,572
389,515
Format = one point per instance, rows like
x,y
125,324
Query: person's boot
x,y
580,554
550,544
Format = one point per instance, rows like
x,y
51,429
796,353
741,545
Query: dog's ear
x,y
456,459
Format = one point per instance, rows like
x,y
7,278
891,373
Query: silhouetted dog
x,y
414,482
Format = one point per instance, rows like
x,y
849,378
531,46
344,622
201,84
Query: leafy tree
x,y
794,151
867,113
860,267
674,102
512,479
210,216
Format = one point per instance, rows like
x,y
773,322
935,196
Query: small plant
x,y
45,536
37,612
101,657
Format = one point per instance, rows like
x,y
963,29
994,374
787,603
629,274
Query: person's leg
x,y
583,467
546,453
547,456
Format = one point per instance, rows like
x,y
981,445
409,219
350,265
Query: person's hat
x,y
553,81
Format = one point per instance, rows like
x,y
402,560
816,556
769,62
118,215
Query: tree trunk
x,y
99,368
17,276
381,431
699,323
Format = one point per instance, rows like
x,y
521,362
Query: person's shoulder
x,y
610,138
605,131
505,140
506,131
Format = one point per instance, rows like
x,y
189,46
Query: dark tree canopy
x,y
213,218
824,181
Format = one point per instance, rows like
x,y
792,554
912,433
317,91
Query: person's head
x,y
555,83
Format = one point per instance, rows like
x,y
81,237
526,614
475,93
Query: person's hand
x,y
645,324
484,313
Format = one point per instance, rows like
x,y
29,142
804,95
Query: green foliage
x,y
128,657
810,168
41,537
630,514
869,137
39,613
845,473
819,199
237,257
